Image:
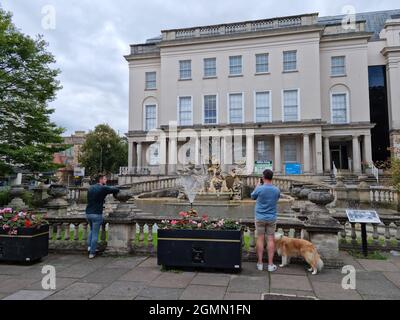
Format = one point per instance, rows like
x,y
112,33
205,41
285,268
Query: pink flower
x,y
5,227
183,214
174,222
199,225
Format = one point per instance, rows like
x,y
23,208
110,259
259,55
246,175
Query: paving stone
x,y
334,291
376,284
378,265
280,281
61,283
293,269
12,285
210,279
149,262
299,293
199,292
77,271
104,275
250,269
246,284
77,291
128,262
153,293
372,297
242,296
29,295
108,297
173,280
393,277
349,260
327,275
123,288
141,274
13,270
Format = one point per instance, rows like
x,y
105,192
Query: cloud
x,y
91,38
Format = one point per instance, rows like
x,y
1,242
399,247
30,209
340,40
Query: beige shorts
x,y
265,227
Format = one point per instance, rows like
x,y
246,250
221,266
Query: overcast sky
x,y
91,36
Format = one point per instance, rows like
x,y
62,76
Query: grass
x,y
374,255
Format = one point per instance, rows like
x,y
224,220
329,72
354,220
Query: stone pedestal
x,y
16,194
57,205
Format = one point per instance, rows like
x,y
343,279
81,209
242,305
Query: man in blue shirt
x,y
94,210
267,196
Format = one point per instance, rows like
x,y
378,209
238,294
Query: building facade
x,y
293,92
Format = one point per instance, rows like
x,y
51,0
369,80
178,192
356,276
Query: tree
x,y
28,139
104,151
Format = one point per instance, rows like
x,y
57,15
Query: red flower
x,y
28,224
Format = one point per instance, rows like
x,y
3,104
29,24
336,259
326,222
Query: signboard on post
x,y
261,166
79,172
293,168
363,216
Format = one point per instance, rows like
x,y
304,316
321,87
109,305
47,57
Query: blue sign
x,y
293,168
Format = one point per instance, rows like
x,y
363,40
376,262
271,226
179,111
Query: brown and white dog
x,y
289,247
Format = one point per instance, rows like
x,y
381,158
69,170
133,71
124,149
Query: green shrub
x,y
395,172
4,197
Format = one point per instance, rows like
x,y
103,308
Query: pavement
x,y
140,278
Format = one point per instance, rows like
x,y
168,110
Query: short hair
x,y
268,174
98,177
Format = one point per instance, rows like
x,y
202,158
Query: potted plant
x,y
24,236
199,242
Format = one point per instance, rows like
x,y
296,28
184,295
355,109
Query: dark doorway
x,y
339,156
379,113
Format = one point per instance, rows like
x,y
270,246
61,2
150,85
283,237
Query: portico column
x,y
327,155
250,153
172,156
130,155
367,149
277,152
197,147
226,151
139,156
306,152
356,155
163,156
318,153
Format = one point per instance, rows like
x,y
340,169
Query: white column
x,y
197,147
163,156
172,155
327,156
367,149
277,152
250,153
227,151
139,156
318,153
306,153
356,155
130,155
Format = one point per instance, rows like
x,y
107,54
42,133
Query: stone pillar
x,y
227,151
364,192
277,152
356,155
327,156
163,155
250,153
367,149
139,156
318,153
197,151
57,205
172,155
130,155
306,153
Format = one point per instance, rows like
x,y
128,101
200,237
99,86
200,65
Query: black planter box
x,y
28,245
219,249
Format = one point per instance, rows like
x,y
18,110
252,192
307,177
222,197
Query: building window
x,y
235,65
263,108
154,154
151,117
264,151
151,82
262,63
210,109
236,108
290,105
339,108
210,67
185,69
289,60
185,111
290,151
338,66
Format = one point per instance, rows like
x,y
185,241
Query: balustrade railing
x,y
384,195
284,184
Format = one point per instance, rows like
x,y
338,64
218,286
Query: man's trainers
x,y
260,266
92,256
272,268
88,249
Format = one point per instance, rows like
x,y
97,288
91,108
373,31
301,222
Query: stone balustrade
x,y
384,195
77,195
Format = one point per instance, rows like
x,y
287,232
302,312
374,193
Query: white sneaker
x,y
92,256
88,249
260,266
272,268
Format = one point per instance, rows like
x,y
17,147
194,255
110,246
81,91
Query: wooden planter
x,y
28,245
219,249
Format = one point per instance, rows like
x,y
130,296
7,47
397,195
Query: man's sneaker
x,y
88,249
260,266
92,256
272,268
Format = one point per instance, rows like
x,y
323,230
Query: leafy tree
x,y
104,151
28,139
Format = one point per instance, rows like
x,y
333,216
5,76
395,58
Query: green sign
x,y
261,166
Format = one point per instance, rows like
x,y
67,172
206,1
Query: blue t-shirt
x,y
267,196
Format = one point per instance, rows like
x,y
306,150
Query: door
x,y
336,156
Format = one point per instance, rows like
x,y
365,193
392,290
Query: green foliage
x,y
4,197
374,255
28,139
104,151
395,172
